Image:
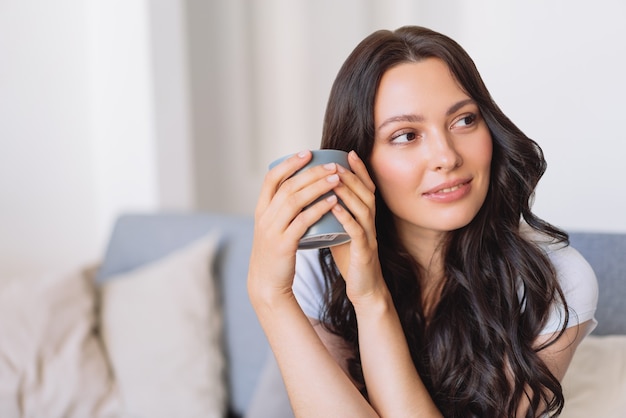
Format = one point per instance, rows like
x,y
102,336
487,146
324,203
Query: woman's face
x,y
432,149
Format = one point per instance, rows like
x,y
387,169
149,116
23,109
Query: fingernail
x,y
352,154
329,166
340,168
333,178
303,154
331,199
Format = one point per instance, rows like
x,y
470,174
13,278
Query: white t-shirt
x,y
577,280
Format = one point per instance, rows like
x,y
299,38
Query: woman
x,y
452,298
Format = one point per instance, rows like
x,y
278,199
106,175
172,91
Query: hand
x,y
358,260
281,220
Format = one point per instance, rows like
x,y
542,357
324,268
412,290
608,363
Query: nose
x,y
443,155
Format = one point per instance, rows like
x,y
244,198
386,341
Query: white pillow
x,y
51,361
595,383
162,326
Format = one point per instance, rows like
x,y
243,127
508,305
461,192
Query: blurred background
x,y
116,106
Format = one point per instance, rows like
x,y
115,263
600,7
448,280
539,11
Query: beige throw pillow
x,y
52,363
595,383
161,325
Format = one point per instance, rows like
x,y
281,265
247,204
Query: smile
x,y
451,189
451,192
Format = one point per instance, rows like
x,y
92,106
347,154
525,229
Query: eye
x,y
403,137
466,120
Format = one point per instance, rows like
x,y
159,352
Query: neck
x,y
426,247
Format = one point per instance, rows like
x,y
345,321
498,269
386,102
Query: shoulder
x,y
573,271
576,278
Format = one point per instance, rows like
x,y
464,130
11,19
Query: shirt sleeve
x,y
308,284
580,288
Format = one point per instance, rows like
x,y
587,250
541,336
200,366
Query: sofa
x,y
162,326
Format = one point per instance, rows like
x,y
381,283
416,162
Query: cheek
x,y
397,181
487,154
480,153
392,174
482,156
487,150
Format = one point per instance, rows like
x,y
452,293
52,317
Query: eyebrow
x,y
419,118
458,106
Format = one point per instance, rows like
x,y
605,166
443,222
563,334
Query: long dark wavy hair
x,y
476,351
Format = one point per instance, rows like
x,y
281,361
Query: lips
x,y
448,187
451,189
449,192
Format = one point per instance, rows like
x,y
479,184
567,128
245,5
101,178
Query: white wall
x,y
46,196
89,128
556,68
139,105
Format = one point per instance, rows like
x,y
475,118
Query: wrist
x,y
266,297
377,301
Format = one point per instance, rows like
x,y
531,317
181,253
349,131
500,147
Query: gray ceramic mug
x,y
327,231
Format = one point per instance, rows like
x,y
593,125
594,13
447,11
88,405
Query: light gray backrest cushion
x,y
140,238
607,255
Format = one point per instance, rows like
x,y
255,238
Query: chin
x,y
453,223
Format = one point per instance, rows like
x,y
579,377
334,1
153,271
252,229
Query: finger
x,y
278,174
358,197
307,177
303,221
291,200
358,167
356,184
361,209
303,189
353,228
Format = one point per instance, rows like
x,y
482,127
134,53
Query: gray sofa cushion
x,y
270,398
607,255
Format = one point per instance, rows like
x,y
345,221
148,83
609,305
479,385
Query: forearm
x,y
394,387
316,384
